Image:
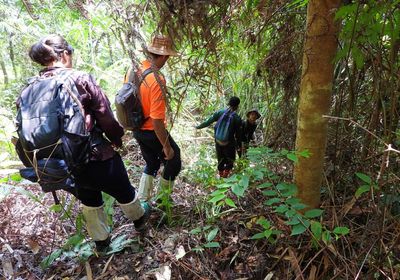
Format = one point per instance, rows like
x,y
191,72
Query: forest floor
x,y
31,229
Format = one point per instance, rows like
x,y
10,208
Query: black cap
x,y
234,102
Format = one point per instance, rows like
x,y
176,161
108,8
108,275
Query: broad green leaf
x,y
264,223
264,185
284,152
206,228
4,180
341,230
258,174
55,208
244,182
298,229
276,232
313,213
238,190
326,236
289,192
271,201
364,177
230,202
361,190
219,191
223,186
195,230
305,153
212,245
211,235
269,193
299,206
233,178
316,229
16,177
282,186
281,208
267,233
119,243
290,213
74,240
292,200
292,157
258,235
47,261
294,221
217,198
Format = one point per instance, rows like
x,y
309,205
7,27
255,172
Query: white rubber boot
x,y
146,187
133,210
138,212
96,222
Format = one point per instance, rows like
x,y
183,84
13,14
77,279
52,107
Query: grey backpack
x,y
54,143
128,103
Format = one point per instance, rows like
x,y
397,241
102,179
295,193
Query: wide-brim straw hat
x,y
161,45
253,111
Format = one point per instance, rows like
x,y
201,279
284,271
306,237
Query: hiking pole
x,y
56,200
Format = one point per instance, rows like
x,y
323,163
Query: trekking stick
x,y
56,200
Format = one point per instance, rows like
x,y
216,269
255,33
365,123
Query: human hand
x,y
168,152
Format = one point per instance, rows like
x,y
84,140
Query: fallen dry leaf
x,y
313,273
180,252
8,270
34,246
164,273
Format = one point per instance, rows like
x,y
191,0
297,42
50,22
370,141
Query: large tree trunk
x,y
315,97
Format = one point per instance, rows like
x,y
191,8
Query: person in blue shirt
x,y
226,151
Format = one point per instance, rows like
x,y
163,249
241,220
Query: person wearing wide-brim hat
x,y
161,45
248,128
156,144
253,114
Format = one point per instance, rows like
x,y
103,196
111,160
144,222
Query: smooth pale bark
x,y
315,97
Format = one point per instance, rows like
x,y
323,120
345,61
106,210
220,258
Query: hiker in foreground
x,y
66,127
227,134
156,144
248,128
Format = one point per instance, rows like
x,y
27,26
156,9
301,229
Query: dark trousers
x,y
225,156
107,176
153,154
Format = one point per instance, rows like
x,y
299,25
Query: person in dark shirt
x,y
248,128
226,152
105,172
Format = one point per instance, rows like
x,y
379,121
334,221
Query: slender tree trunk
x,y
315,97
4,69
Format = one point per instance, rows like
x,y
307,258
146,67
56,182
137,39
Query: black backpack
x,y
128,102
223,128
54,143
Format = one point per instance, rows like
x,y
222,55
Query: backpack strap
x,y
143,76
131,75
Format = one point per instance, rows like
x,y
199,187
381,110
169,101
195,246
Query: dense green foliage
x,y
252,49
